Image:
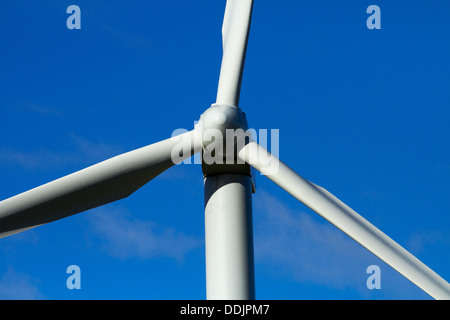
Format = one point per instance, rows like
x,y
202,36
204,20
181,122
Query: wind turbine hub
x,y
224,131
222,121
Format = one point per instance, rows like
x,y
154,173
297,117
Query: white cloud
x,y
38,108
94,151
18,286
32,160
84,152
306,249
124,237
419,241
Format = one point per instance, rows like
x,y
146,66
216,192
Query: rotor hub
x,y
224,130
221,119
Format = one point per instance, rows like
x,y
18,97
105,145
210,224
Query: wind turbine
x,y
228,186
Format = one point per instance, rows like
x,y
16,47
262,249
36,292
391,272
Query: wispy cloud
x,y
420,241
32,160
94,151
83,152
35,108
303,248
122,236
129,40
38,108
18,286
107,24
306,250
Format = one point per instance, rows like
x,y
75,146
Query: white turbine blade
x,y
235,29
347,220
105,182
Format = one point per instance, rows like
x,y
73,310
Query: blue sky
x,y
363,113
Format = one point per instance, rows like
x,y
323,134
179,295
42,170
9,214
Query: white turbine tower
x,y
228,186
